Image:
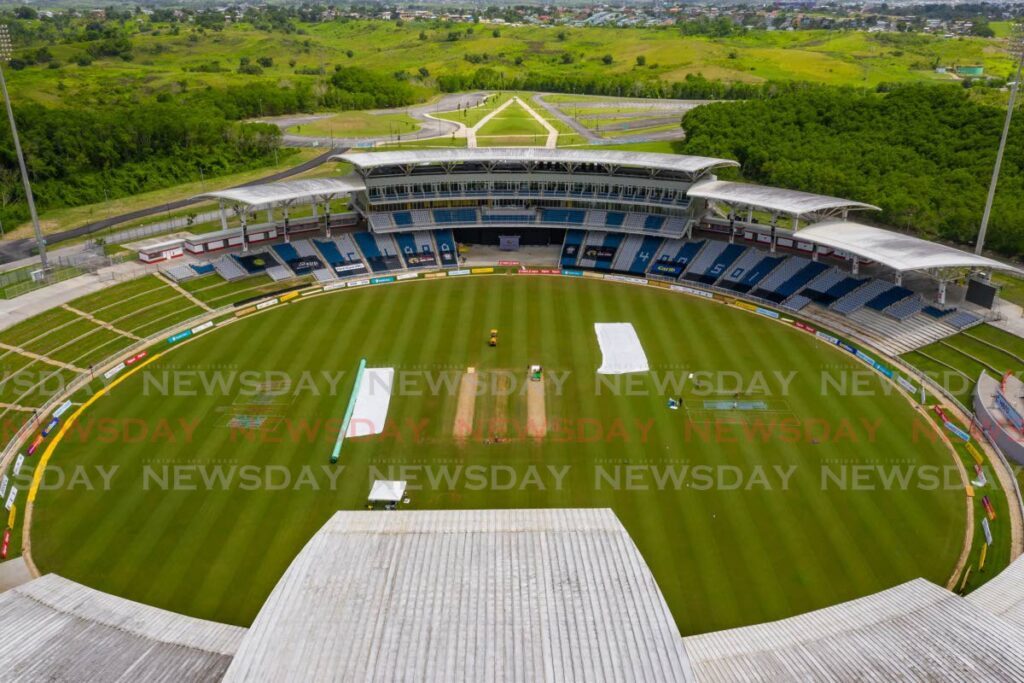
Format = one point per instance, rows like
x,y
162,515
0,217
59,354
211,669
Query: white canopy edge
x,y
892,249
288,190
792,202
669,162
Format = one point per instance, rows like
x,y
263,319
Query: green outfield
x,y
180,528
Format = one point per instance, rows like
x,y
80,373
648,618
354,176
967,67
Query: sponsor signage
x,y
766,312
136,358
49,428
3,485
244,311
670,269
846,347
63,408
318,290
333,286
543,271
18,462
407,276
905,384
690,290
358,283
10,497
203,327
347,267
956,430
13,516
174,338
265,304
827,337
988,531
422,259
116,369
598,253
5,544
35,444
431,276
627,280
572,273
1009,411
285,297
481,271
804,326
461,271
508,263
382,280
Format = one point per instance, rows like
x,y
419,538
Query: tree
x,y
607,59
562,36
641,60
496,33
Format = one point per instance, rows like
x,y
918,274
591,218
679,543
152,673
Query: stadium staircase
x,y
229,269
856,299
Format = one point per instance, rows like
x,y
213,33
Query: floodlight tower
x,y
5,55
1014,86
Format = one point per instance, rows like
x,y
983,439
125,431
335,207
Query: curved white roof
x,y
668,162
288,190
791,202
465,595
892,249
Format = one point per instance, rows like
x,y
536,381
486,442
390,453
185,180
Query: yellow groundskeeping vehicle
x,y
494,338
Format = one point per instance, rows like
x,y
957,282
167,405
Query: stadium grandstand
x,y
654,216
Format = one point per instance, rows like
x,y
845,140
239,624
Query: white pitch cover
x,y
620,349
371,402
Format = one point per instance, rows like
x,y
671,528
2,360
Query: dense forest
x,y
922,153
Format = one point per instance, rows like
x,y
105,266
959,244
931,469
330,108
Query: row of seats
x,y
424,218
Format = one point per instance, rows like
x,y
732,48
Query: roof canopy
x,y
474,595
791,202
892,249
289,190
667,162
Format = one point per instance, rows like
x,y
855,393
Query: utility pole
x,y
1014,87
5,54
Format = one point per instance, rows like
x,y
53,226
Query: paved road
x,y
15,250
593,138
429,127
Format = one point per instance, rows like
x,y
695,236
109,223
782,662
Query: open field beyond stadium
x,y
179,529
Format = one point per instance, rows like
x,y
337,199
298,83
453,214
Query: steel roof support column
x,y
287,236
942,292
223,215
243,215
855,265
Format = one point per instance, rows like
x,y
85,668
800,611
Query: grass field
x,y
722,556
166,62
353,124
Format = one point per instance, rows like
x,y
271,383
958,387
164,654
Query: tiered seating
x,y
506,217
674,226
382,221
961,320
860,296
673,257
447,249
645,254
936,312
712,261
836,291
823,282
613,219
889,297
380,256
300,257
737,270
279,272
257,262
179,273
792,276
627,252
402,219
342,255
442,216
597,217
787,269
323,275
571,248
797,302
228,268
760,270
599,248
901,310
653,222
570,216
416,249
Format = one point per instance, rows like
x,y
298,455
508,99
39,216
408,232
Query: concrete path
x,y
471,132
93,319
430,126
552,140
41,359
184,292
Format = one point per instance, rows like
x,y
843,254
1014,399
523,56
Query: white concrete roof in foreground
x,y
669,162
892,249
913,632
289,190
792,202
53,629
473,595
1003,594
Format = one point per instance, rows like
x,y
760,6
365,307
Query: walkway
x,y
550,143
